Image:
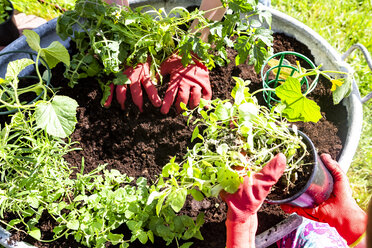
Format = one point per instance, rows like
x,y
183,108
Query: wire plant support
x,y
281,68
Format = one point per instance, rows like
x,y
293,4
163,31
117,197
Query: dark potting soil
x,y
139,144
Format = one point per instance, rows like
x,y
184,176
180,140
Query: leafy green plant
x,y
5,9
35,180
242,134
108,37
56,114
294,104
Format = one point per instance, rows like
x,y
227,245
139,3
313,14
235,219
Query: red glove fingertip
x,y
109,99
121,95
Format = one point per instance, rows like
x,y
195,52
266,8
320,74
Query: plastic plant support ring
x,y
269,95
49,75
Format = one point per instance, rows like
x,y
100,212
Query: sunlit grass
x,y
342,24
47,9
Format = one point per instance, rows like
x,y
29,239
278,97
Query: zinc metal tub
x,y
323,53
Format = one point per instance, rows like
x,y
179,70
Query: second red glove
x,y
189,83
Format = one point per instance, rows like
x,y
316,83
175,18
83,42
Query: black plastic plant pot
x,y
8,30
319,186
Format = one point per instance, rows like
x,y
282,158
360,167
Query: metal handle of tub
x,y
368,58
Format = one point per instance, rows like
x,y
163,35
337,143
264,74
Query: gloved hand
x,y
190,82
138,75
340,210
241,222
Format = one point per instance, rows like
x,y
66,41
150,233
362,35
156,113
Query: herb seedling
x,y
241,134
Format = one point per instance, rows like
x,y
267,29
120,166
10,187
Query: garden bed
x,y
139,144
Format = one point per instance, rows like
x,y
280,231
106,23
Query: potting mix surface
x,y
140,144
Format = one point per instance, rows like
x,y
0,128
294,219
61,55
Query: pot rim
x,y
314,155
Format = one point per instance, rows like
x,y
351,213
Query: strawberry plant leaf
x,y
57,117
298,107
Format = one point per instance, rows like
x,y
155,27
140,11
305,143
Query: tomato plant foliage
x,y
110,37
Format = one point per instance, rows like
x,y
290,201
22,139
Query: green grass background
x,y
341,23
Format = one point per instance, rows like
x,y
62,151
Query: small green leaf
x,y
73,225
57,117
195,133
229,179
143,237
115,238
150,234
196,194
186,245
35,233
177,199
33,39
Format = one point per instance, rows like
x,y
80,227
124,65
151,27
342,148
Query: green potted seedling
x,y
8,29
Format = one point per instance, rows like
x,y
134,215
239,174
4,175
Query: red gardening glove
x,y
340,210
190,82
138,75
241,222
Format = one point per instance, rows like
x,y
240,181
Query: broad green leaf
x,y
343,90
57,117
177,199
55,53
298,107
15,67
33,39
35,233
73,225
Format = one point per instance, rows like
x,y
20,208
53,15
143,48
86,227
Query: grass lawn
x,y
341,23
